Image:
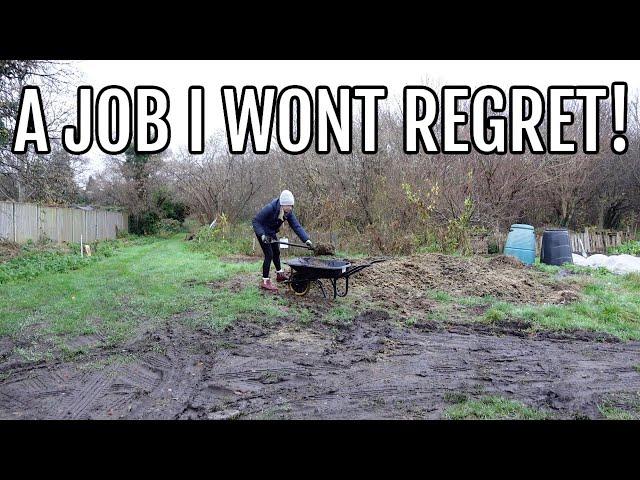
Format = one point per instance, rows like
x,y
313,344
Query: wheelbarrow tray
x,y
315,268
310,269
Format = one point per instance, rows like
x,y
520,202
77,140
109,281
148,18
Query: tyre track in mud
x,y
359,377
371,368
83,389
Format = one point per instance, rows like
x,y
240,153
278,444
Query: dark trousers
x,y
271,253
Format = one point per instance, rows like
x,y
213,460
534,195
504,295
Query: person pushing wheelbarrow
x,y
266,225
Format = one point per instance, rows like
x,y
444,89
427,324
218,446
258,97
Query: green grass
x,y
570,267
340,315
630,248
476,301
439,314
543,267
615,413
33,354
116,359
227,306
490,408
499,311
611,304
151,281
455,397
304,316
410,321
440,296
620,406
37,259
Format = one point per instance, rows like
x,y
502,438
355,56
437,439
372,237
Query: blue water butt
x,y
521,243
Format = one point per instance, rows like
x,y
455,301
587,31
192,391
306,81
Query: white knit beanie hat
x,y
286,198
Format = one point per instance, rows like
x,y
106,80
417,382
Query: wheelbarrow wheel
x,y
299,287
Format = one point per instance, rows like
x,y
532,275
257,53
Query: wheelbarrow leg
x,y
335,287
324,294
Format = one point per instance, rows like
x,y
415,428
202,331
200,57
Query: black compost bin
x,y
556,247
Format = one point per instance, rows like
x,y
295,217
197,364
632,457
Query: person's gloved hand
x,y
309,243
265,239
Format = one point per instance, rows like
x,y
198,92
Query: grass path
x,y
151,281
610,303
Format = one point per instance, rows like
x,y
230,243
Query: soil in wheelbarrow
x,y
324,249
321,263
411,280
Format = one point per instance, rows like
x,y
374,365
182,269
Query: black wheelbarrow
x,y
306,270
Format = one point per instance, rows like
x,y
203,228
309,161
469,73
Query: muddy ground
x,y
371,367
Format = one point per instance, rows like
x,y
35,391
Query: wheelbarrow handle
x,y
351,270
365,265
293,244
377,261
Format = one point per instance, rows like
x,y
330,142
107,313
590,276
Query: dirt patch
x,y
372,367
85,341
477,310
411,279
240,259
502,260
579,335
234,284
313,301
6,347
524,329
8,250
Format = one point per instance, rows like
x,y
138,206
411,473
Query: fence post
x,y
15,228
587,241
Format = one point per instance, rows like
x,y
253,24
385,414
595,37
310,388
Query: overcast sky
x,y
176,77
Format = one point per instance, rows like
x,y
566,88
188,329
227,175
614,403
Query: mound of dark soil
x,y
500,260
408,279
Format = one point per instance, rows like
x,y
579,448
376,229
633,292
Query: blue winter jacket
x,y
266,222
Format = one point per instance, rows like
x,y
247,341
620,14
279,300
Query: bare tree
x,y
21,175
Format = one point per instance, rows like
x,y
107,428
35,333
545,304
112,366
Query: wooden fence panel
x,y
6,221
102,225
65,224
26,222
112,224
91,218
47,223
77,222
